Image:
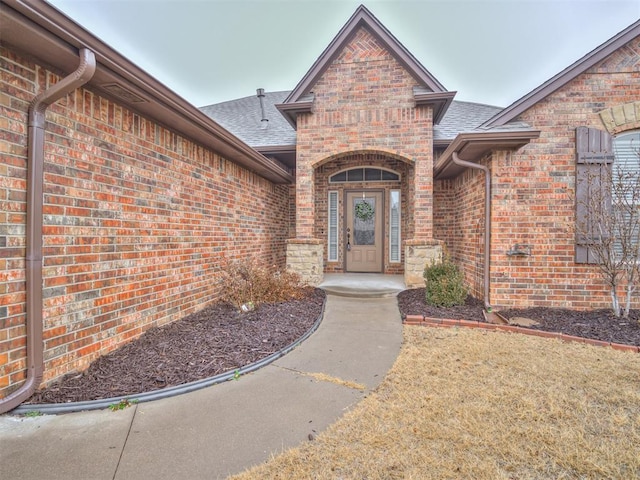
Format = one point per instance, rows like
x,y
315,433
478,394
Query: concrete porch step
x,y
363,285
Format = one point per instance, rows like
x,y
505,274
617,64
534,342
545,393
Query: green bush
x,y
249,283
445,284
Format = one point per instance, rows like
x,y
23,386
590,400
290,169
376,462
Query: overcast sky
x,y
489,51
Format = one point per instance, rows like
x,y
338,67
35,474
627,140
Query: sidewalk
x,y
220,430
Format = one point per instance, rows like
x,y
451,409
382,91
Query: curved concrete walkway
x,y
224,429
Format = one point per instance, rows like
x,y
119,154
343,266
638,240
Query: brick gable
x,y
624,60
364,103
361,85
363,47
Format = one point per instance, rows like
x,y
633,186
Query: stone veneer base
x,y
306,259
416,257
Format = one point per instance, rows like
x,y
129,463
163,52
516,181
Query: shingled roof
x,y
462,117
243,116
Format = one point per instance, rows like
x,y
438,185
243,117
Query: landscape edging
x,y
58,408
421,320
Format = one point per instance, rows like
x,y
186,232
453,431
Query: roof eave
x,y
439,101
271,149
565,76
291,111
44,32
473,146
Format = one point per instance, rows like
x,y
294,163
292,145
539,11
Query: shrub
x,y
250,283
445,284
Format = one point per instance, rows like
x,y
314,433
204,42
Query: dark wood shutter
x,y
594,152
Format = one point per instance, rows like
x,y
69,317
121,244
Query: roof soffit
x,y
565,76
439,101
362,17
473,146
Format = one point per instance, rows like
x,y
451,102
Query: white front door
x,y
364,231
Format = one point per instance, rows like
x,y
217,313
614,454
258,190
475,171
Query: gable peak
x,y
362,17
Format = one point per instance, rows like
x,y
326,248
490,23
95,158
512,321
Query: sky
x,y
489,51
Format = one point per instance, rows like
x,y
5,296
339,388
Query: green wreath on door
x,y
364,211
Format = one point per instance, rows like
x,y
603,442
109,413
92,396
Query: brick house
x,y
120,201
368,110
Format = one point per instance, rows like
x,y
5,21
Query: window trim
x,y
626,160
332,229
399,228
382,169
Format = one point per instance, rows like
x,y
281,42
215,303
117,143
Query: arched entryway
x,y
362,211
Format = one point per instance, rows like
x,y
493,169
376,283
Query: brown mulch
x,y
596,324
220,339
216,340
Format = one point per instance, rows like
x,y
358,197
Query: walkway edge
x,y
420,320
58,408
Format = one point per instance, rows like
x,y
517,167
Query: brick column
x,y
423,198
305,253
305,202
422,249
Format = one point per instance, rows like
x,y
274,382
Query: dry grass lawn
x,y
463,403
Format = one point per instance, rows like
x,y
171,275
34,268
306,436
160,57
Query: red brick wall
x,y
533,192
137,221
459,222
364,103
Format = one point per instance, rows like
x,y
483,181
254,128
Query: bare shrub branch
x,y
250,282
611,230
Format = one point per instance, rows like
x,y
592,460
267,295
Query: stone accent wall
x,y
137,223
305,258
364,104
621,117
417,256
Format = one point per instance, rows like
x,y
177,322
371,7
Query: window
x,y
332,249
364,174
626,149
625,194
394,226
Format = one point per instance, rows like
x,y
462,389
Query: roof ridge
x,y
243,98
479,104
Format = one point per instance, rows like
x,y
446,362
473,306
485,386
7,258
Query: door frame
x,y
345,205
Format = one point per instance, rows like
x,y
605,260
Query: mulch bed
x,y
595,324
220,339
216,340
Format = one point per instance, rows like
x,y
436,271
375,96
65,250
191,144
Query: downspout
x,y
35,183
487,222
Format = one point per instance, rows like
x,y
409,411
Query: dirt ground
x,y
220,339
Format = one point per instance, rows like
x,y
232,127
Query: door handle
x,y
348,240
